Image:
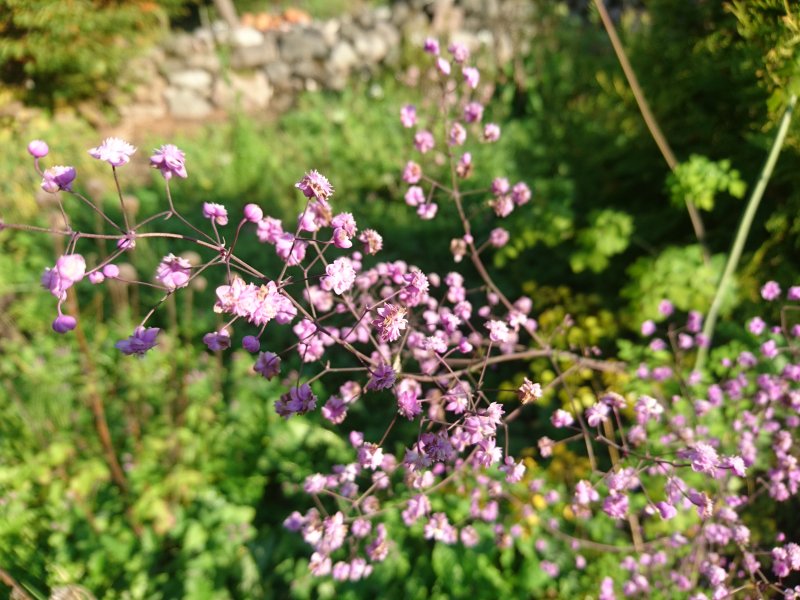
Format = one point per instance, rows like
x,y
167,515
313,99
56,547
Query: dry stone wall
x,y
215,70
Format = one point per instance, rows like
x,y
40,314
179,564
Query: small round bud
x,y
111,271
251,343
253,213
38,149
64,323
96,277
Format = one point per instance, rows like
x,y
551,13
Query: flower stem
x,y
743,231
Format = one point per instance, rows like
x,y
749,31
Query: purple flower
x,y
408,115
596,414
382,378
520,193
68,270
335,410
585,493
170,160
58,178
665,308
251,344
64,323
290,249
315,185
427,210
464,166
215,212
431,46
770,291
473,112
268,365
415,196
140,342
616,506
756,326
666,510
443,66
38,149
218,340
114,151
391,322
793,293
704,458
648,328
298,401
173,272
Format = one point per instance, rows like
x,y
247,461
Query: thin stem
x,y
742,232
650,120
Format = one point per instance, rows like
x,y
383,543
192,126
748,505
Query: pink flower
x,y
140,342
382,378
408,115
431,46
114,151
315,185
340,275
215,212
529,392
491,132
499,237
423,141
68,270
520,193
38,149
373,242
457,135
471,76
58,178
459,51
473,112
412,172
770,291
391,322
561,418
498,331
173,272
170,160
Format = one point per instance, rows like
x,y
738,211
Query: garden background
x,y
209,469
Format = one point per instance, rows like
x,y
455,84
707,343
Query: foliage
x,y
56,52
699,180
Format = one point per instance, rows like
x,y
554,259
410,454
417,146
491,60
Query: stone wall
x,y
212,71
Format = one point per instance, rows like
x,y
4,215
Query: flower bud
x,y
253,213
64,323
251,343
38,149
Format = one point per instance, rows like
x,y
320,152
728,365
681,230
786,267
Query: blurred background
x,y
256,93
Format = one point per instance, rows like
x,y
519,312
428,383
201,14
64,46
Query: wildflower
x,y
423,141
414,196
561,418
431,46
290,249
173,272
298,401
383,377
443,66
391,322
704,458
520,193
38,149
491,132
770,291
499,237
529,392
58,178
64,323
793,293
114,151
472,77
315,185
216,212
665,308
340,275
253,213
170,160
372,241
498,331
408,115
597,414
251,343
268,365
457,135
473,112
142,340
464,166
427,210
218,340
459,51
412,172
616,505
